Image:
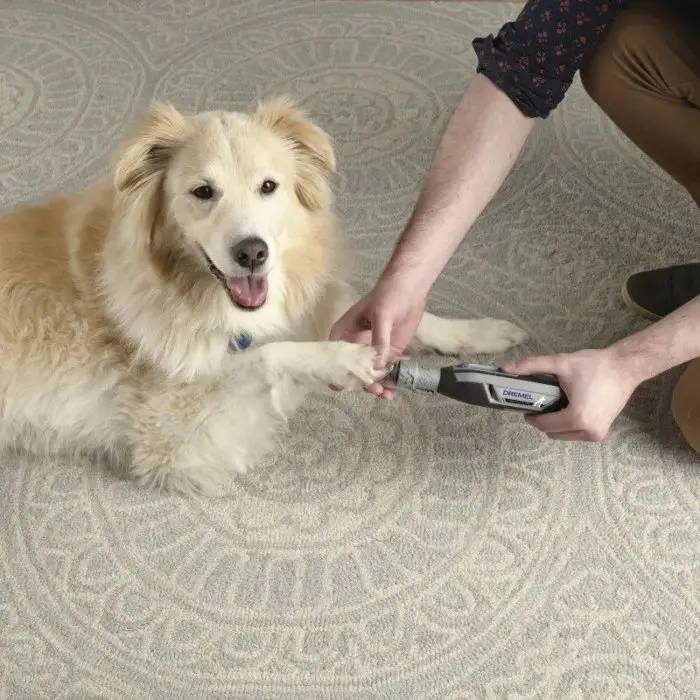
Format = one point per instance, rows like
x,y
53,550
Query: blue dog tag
x,y
243,342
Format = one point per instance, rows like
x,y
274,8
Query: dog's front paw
x,y
352,366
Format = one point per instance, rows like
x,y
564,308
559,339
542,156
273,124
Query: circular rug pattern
x,y
413,549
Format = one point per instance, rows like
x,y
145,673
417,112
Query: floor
x,y
417,549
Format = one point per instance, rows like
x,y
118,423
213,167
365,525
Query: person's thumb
x,y
545,364
341,327
352,326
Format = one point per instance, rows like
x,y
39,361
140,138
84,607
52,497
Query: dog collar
x,y
241,342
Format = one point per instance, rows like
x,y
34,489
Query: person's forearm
x,y
479,147
672,341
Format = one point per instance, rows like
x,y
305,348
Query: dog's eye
x,y
203,192
268,187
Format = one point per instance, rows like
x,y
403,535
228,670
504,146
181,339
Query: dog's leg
x,y
447,336
345,364
193,439
464,337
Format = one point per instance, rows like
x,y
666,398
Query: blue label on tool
x,y
518,394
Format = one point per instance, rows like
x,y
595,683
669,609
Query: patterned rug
x,y
413,550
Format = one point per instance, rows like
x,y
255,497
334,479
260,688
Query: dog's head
x,y
224,189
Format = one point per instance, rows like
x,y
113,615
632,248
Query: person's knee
x,y
639,49
685,404
606,69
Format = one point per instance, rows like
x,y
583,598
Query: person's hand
x,y
387,318
598,385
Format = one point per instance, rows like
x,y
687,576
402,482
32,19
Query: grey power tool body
x,y
482,385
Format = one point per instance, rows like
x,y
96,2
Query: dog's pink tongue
x,y
248,291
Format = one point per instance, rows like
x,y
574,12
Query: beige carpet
x,y
418,550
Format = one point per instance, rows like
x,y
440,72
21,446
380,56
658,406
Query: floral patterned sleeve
x,y
534,59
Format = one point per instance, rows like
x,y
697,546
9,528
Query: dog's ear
x,y
311,146
146,151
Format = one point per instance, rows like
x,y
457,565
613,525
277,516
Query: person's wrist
x,y
628,364
406,281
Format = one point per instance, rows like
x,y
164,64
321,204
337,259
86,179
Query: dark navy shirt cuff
x,y
533,94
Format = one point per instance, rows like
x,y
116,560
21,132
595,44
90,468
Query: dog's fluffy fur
x,y
118,303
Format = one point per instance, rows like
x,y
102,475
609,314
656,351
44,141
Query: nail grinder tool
x,y
482,385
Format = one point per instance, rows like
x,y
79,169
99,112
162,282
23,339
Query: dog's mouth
x,y
248,292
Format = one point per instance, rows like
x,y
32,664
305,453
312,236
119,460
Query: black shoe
x,y
654,294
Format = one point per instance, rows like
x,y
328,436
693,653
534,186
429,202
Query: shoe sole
x,y
636,308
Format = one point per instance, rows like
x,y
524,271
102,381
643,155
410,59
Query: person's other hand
x,y
597,384
387,318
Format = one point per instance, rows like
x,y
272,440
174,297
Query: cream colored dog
x,y
174,315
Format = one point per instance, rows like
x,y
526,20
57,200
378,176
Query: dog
x,y
173,315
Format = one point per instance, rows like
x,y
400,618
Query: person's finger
x,y
361,337
351,334
376,389
340,327
557,422
381,338
353,322
545,364
570,436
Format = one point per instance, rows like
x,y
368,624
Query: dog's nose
x,y
250,253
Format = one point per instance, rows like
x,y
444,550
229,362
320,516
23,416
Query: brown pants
x,y
645,75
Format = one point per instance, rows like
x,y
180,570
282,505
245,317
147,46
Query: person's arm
x,y
523,73
479,146
477,150
670,342
599,383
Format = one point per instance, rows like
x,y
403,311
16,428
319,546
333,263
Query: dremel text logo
x,y
524,395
